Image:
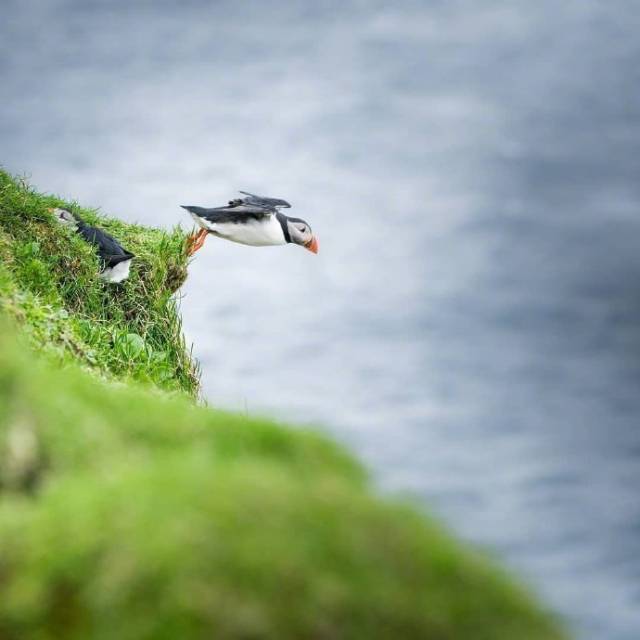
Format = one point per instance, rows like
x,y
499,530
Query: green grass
x,y
125,514
49,282
131,513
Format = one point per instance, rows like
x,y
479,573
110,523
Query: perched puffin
x,y
252,220
115,260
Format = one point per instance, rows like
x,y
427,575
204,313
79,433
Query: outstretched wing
x,y
237,213
261,201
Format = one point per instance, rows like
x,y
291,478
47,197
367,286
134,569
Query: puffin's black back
x,y
237,213
109,249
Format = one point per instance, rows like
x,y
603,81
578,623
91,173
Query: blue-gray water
x,y
471,326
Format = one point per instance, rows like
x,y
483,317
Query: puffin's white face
x,y
301,234
64,217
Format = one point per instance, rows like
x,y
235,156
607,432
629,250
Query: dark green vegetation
x,y
128,513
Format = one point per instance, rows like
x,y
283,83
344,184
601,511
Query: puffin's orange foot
x,y
196,241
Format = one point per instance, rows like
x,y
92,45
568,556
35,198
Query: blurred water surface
x,y
471,324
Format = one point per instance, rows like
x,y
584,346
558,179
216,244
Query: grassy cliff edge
x,y
49,282
128,511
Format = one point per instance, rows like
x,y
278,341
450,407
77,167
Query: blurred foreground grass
x,y
130,513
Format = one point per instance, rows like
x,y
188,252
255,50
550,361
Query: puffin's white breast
x,y
118,273
257,233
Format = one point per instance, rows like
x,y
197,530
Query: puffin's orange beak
x,y
312,245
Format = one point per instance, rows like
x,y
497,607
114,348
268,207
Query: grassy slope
x,y
125,513
49,281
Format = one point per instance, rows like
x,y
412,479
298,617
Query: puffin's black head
x,y
300,233
64,217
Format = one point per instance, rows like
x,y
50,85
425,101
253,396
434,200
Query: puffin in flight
x,y
253,220
115,260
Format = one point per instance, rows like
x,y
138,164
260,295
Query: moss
x,y
125,514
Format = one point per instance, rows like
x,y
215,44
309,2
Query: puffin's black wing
x,y
238,213
261,201
109,249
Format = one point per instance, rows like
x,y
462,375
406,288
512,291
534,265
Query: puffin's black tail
x,y
198,211
112,261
